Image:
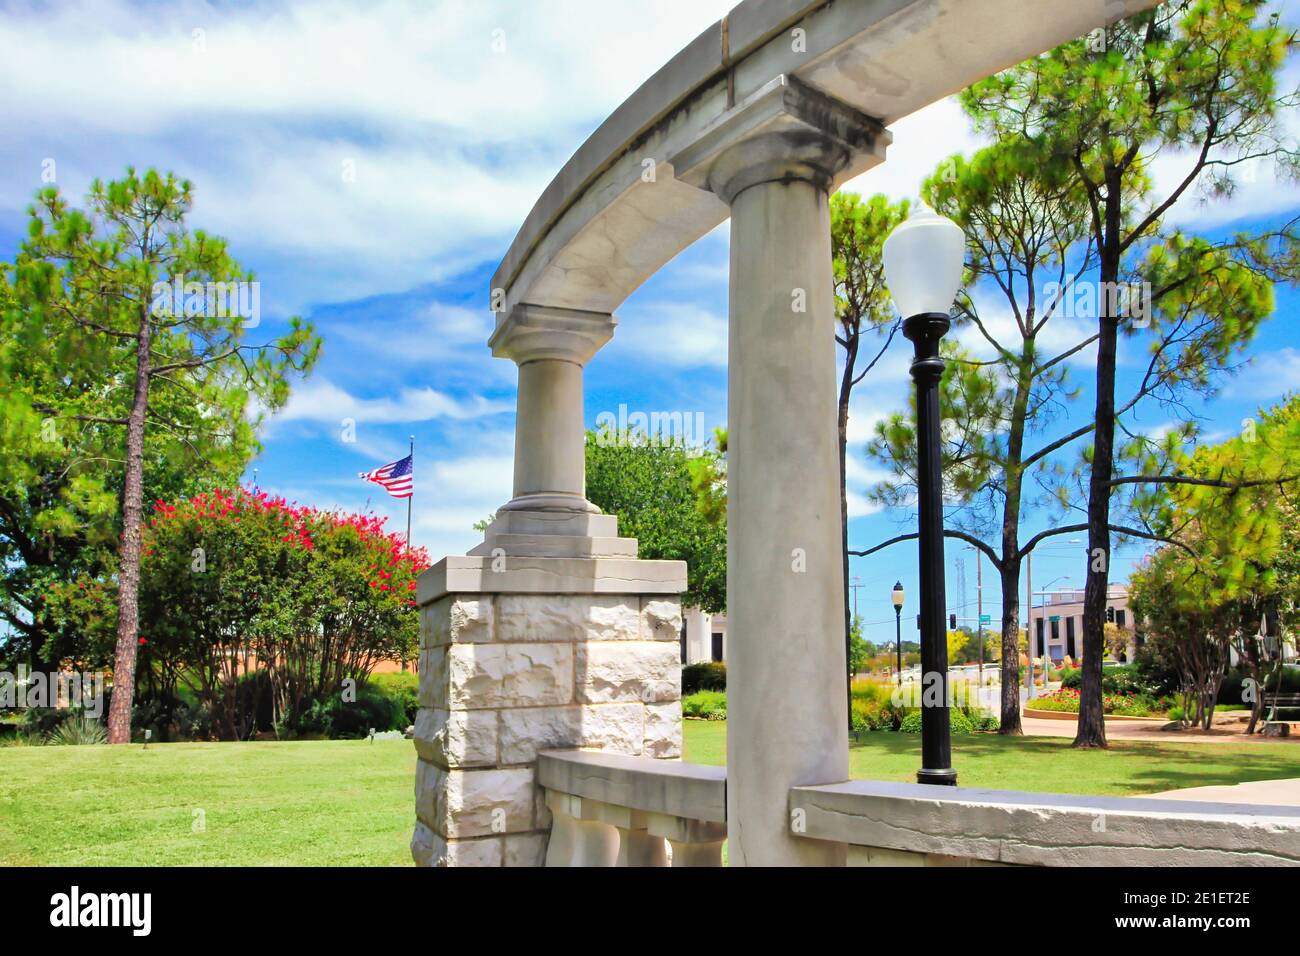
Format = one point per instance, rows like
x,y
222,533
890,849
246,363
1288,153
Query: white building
x,y
1056,623
704,636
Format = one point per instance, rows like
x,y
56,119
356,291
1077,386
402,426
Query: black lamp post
x,y
923,266
897,598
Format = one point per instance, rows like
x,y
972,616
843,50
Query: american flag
x,y
398,478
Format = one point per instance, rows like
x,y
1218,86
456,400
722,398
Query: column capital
x,y
785,131
529,333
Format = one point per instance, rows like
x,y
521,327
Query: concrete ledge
x,y
1043,829
469,574
691,791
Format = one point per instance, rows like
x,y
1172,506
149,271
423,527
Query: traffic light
x,y
952,622
1110,615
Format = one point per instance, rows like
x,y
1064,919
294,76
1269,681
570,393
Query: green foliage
x,y
403,687
108,397
316,599
958,722
706,675
351,720
705,705
76,731
652,484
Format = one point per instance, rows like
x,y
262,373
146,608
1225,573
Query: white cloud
x,y
1270,375
680,334
320,400
454,116
921,141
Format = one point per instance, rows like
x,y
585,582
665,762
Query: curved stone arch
x,y
552,633
601,228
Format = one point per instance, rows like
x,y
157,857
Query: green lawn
x,y
330,803
1046,764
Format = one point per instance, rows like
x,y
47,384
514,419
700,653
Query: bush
x,y
77,731
705,705
873,707
706,675
403,687
958,723
351,720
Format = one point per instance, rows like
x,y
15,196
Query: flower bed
x,y
1066,700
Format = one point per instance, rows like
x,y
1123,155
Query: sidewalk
x,y
1223,732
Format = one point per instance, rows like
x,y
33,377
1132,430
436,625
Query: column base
x,y
939,778
556,534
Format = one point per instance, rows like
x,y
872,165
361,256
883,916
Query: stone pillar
x,y
774,159
549,635
550,346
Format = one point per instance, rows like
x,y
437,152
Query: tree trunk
x,y
1010,718
128,611
1092,721
846,391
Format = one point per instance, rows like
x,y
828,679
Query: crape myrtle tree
x,y
1197,82
1235,566
89,283
239,579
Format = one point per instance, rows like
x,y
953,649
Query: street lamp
x,y
923,269
897,597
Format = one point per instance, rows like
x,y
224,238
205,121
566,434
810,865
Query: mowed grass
x,y
1046,764
304,803
351,803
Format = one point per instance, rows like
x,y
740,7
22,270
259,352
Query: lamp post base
x,y
938,778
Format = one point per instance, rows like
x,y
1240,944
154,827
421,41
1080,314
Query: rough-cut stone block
x,y
614,727
663,730
537,675
661,619
525,849
433,688
430,849
456,620
475,677
648,671
468,803
567,617
458,738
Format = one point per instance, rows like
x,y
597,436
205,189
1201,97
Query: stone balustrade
x,y
902,824
615,810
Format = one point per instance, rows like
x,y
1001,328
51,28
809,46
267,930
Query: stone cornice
x,y
786,130
529,333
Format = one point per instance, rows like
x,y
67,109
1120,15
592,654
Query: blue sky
x,y
372,161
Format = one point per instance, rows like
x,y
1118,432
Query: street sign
x,y
1055,618
986,619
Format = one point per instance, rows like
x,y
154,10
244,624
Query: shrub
x,y
351,720
706,675
705,705
958,723
403,687
77,731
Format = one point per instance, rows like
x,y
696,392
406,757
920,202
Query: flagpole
x,y
408,500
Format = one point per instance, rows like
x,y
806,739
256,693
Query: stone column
x,y
774,160
550,346
549,635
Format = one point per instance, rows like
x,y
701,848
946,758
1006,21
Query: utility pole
x,y
1029,619
979,607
